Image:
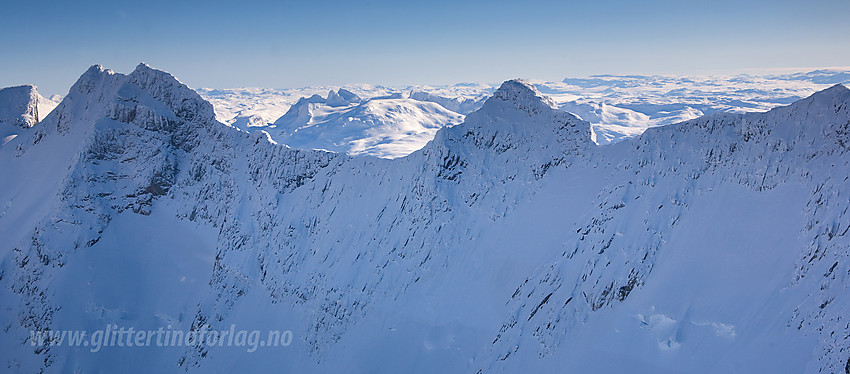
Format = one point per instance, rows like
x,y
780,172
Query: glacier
x,y
511,242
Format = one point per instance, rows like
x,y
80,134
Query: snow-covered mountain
x,y
510,242
389,127
464,103
21,107
243,107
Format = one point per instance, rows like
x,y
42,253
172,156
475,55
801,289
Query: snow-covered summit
x,y
515,136
342,97
838,92
21,108
148,97
302,110
182,100
517,115
523,95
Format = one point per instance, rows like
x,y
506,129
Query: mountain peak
x,y
145,70
520,90
92,77
18,107
342,97
166,88
833,95
522,95
520,119
839,89
96,69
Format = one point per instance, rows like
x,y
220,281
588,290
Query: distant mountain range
x,y
388,126
617,106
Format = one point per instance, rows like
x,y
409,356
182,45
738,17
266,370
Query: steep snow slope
x,y
508,243
704,221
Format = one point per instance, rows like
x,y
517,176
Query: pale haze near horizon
x,y
287,44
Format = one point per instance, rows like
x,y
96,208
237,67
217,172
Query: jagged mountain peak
x,y
148,98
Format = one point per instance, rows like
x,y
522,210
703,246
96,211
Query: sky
x,y
281,44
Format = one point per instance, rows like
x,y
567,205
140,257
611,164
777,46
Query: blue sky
x,y
291,44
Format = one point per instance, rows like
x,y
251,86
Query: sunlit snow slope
x,y
388,127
